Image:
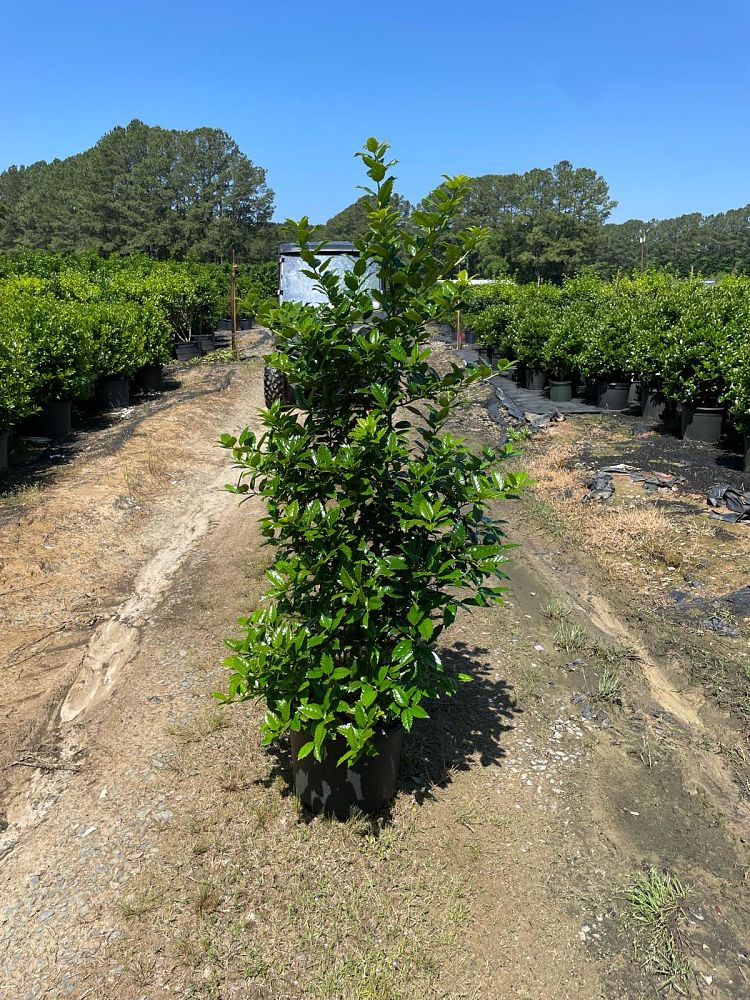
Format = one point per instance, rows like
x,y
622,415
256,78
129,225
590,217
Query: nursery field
x,y
574,823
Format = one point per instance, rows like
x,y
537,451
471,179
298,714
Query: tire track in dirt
x,y
71,678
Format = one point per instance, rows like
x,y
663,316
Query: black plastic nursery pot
x,y
207,343
536,378
114,393
614,395
702,423
485,355
590,390
150,378
187,350
245,322
653,403
4,437
746,460
325,787
224,324
560,392
56,418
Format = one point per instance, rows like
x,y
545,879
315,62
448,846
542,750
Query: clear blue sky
x,y
655,96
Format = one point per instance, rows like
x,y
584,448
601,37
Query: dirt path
x,y
159,853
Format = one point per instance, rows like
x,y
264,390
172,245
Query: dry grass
x,y
635,537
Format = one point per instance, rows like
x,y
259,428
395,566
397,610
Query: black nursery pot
x,y
536,378
186,351
653,402
702,423
207,343
150,378
369,785
4,436
614,395
114,393
56,418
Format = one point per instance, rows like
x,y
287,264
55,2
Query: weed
x,y
137,905
22,495
198,727
515,435
256,965
141,969
234,780
557,609
610,685
654,901
206,901
542,513
571,637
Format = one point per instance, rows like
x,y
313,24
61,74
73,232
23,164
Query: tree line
x,y
547,224
196,195
142,189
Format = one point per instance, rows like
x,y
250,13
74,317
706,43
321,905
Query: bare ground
x,y
152,848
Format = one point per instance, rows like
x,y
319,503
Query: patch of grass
x,y
137,905
557,609
654,906
609,687
199,727
727,678
206,900
571,637
543,514
20,496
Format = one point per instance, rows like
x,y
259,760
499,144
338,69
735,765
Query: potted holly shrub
x,y
63,358
378,516
654,302
693,371
561,350
735,359
531,325
487,311
605,339
17,379
119,331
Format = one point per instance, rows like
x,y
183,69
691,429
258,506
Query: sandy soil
x,y
151,848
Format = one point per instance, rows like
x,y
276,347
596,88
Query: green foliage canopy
x,y
377,515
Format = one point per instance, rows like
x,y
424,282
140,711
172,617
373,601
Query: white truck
x,y
294,286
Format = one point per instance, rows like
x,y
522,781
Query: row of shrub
x,y
68,322
687,338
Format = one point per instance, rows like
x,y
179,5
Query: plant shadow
x,y
462,731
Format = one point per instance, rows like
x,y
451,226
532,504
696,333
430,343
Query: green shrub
x,y
62,351
18,382
380,534
488,311
187,295
692,369
257,287
532,321
120,336
655,301
735,361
